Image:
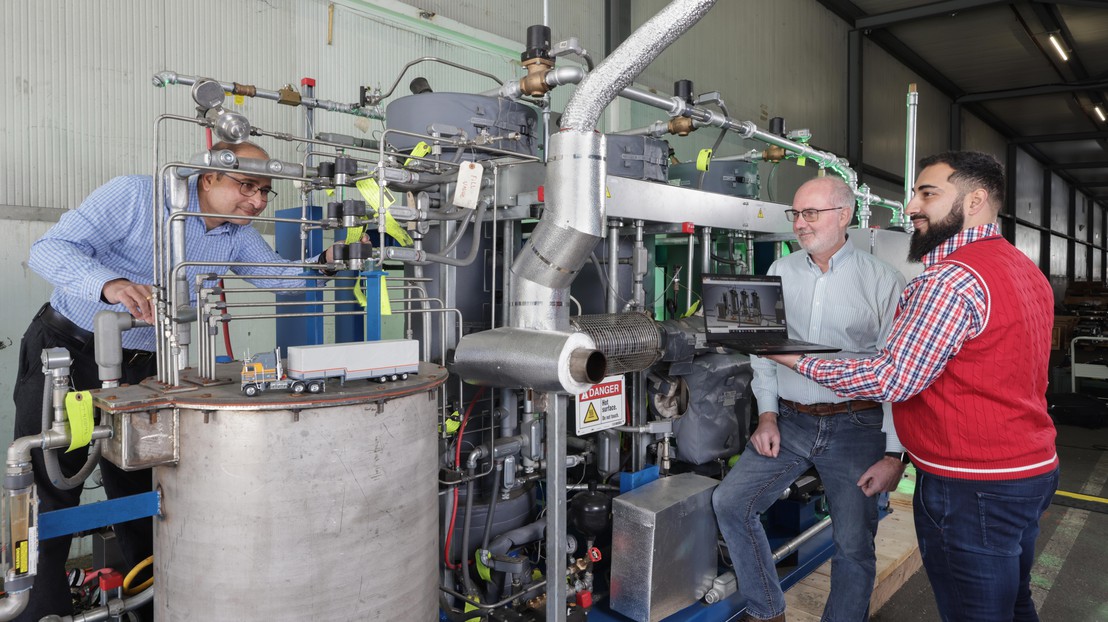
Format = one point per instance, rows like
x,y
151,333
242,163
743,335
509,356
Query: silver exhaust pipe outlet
x,y
520,358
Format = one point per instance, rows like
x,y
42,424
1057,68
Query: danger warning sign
x,y
601,407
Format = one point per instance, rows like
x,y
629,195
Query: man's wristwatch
x,y
899,455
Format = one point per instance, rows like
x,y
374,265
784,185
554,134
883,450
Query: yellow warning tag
x,y
239,99
354,234
703,159
760,214
590,415
370,192
359,295
330,192
78,409
20,558
801,161
421,149
607,192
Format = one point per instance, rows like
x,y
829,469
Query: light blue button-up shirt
x,y
111,236
850,306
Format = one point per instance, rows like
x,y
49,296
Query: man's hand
x,y
766,439
883,476
138,299
788,360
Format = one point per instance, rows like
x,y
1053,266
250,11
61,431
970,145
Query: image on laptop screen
x,y
738,304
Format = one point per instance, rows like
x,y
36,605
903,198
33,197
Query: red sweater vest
x,y
985,416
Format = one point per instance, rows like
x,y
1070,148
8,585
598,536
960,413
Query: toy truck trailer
x,y
262,372
390,359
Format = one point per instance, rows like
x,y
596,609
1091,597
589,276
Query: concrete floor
x,y
1070,577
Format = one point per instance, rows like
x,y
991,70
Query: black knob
x,y
420,86
341,252
353,207
538,43
777,126
684,90
346,166
334,210
360,250
327,169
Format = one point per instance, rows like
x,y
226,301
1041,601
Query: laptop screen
x,y
742,304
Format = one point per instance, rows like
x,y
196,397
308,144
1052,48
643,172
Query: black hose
x,y
492,504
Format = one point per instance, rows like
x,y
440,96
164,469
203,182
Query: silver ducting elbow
x,y
602,84
530,359
571,225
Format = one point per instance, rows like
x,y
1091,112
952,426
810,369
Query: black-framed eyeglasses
x,y
249,189
810,215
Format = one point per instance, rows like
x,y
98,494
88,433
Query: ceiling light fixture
x,y
1058,48
1099,113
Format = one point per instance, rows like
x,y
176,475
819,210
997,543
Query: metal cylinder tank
x,y
321,509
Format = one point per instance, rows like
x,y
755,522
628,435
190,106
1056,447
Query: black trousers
x,y
50,594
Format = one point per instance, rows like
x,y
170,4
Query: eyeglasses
x,y
810,214
249,189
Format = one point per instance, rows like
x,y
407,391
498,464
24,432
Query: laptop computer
x,y
747,313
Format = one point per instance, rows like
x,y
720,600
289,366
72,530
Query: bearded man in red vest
x,y
966,367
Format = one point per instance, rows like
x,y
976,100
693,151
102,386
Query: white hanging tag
x,y
469,185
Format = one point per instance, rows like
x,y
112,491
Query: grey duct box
x,y
663,546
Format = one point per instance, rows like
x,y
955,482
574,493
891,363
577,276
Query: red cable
x,y
457,461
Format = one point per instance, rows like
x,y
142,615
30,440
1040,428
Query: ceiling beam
x,y
1077,165
1031,91
850,13
945,7
1061,138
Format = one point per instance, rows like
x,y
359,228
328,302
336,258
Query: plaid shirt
x,y
938,311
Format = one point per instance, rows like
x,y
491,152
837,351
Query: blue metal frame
x,y
96,515
373,304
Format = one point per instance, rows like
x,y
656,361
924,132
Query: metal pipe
x,y
689,271
909,151
166,78
612,299
556,522
705,249
787,549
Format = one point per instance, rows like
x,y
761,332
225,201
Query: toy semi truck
x,y
309,367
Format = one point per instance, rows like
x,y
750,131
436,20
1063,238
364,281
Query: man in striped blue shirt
x,y
844,298
100,256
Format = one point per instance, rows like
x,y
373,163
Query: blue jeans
x,y
841,447
977,540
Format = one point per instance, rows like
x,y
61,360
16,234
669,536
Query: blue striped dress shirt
x,y
111,236
851,306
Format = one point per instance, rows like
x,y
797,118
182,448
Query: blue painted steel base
x,y
97,515
298,331
373,304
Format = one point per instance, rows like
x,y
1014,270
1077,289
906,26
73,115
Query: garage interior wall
x,y
83,107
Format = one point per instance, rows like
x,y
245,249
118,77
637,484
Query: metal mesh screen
x,y
631,341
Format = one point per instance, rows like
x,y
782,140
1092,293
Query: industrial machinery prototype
x,y
527,463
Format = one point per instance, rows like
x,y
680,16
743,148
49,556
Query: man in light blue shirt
x,y
100,256
838,296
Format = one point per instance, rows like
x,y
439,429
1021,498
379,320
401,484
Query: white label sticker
x,y
469,185
601,407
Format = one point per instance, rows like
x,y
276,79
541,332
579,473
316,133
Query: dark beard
x,y
925,242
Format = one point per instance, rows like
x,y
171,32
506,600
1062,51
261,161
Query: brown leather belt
x,y
81,339
822,410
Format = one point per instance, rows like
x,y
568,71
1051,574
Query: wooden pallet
x,y
898,559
